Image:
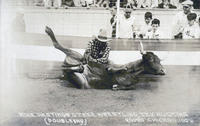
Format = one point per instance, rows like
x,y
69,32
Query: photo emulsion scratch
x,y
100,63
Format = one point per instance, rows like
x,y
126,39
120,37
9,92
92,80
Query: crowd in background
x,y
168,4
186,25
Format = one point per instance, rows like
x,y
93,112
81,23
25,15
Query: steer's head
x,y
151,62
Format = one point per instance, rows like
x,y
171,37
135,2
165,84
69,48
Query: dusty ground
x,y
35,87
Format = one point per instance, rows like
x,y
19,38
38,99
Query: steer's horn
x,y
141,48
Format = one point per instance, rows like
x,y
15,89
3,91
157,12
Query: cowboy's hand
x,y
81,68
92,59
102,52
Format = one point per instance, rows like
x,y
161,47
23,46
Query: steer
x,y
113,76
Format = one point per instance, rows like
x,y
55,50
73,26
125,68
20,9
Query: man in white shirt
x,y
126,24
180,20
191,31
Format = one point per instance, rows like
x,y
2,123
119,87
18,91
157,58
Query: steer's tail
x,y
70,53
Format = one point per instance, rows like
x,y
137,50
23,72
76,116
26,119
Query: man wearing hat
x,y
192,30
98,50
126,24
180,20
96,59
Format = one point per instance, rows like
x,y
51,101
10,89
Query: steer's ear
x,y
141,48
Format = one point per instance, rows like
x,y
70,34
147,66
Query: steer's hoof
x,y
115,87
48,30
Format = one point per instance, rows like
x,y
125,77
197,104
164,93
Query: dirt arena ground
x,y
34,87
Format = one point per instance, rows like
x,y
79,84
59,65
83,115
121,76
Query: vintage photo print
x,y
100,63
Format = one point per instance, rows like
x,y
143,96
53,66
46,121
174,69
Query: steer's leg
x,y
67,51
55,42
73,74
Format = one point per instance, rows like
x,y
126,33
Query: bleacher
x,y
85,22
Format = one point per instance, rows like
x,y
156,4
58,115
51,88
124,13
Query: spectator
x,y
180,20
199,21
154,3
196,4
86,3
147,3
103,3
199,25
140,4
126,24
123,3
191,31
112,3
39,2
131,4
166,4
113,21
146,26
155,33
52,3
68,3
176,3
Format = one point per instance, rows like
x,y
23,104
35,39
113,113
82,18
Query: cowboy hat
x,y
102,36
187,2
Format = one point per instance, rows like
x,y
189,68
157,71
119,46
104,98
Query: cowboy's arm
x,y
105,56
87,52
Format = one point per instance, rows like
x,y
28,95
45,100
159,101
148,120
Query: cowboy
x,y
98,49
180,20
96,58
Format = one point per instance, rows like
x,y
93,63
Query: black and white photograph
x,y
100,63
